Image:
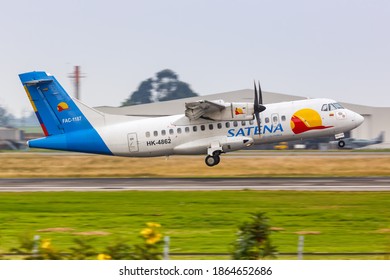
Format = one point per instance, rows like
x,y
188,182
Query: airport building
x,y
376,119
11,138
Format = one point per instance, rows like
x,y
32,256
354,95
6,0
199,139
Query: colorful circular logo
x,y
62,106
306,120
239,111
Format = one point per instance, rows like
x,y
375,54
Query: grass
x,y
201,221
28,165
197,221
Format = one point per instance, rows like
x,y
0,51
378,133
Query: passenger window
x,y
227,124
219,125
267,120
211,127
251,122
324,107
171,131
202,127
195,128
147,134
163,132
155,133
243,123
179,130
275,119
187,129
235,123
283,118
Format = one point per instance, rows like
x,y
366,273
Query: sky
x,y
333,48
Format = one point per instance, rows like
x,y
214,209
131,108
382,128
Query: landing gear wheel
x,y
217,159
341,144
212,160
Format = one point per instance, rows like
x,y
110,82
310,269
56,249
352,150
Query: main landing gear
x,y
213,160
214,152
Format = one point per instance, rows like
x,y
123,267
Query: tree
x,y
167,73
4,117
163,87
253,241
142,95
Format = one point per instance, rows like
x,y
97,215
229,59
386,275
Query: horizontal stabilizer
x,y
37,82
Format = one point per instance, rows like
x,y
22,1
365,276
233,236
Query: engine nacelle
x,y
233,111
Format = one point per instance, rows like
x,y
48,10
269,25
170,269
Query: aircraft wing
x,y
203,108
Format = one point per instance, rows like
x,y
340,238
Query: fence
x,y
227,256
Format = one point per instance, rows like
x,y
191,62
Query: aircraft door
x,y
133,142
275,119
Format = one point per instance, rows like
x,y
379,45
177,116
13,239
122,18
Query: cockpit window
x,y
332,107
324,107
338,106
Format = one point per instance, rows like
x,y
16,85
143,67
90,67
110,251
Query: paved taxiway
x,y
188,184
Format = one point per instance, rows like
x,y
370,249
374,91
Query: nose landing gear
x,y
341,144
340,137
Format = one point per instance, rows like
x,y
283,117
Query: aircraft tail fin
x,y
56,111
380,138
67,123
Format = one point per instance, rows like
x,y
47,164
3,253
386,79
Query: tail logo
x,y
62,107
305,120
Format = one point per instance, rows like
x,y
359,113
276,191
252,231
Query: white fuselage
x,y
206,127
178,135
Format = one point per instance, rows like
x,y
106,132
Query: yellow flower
x,y
153,225
146,232
151,234
46,244
154,238
103,257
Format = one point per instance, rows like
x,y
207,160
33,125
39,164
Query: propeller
x,y
258,105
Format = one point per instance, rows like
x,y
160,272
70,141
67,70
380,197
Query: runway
x,y
195,184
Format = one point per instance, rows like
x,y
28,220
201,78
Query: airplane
x,y
352,143
207,127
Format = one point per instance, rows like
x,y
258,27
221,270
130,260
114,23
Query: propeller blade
x,y
258,106
257,117
256,97
260,94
